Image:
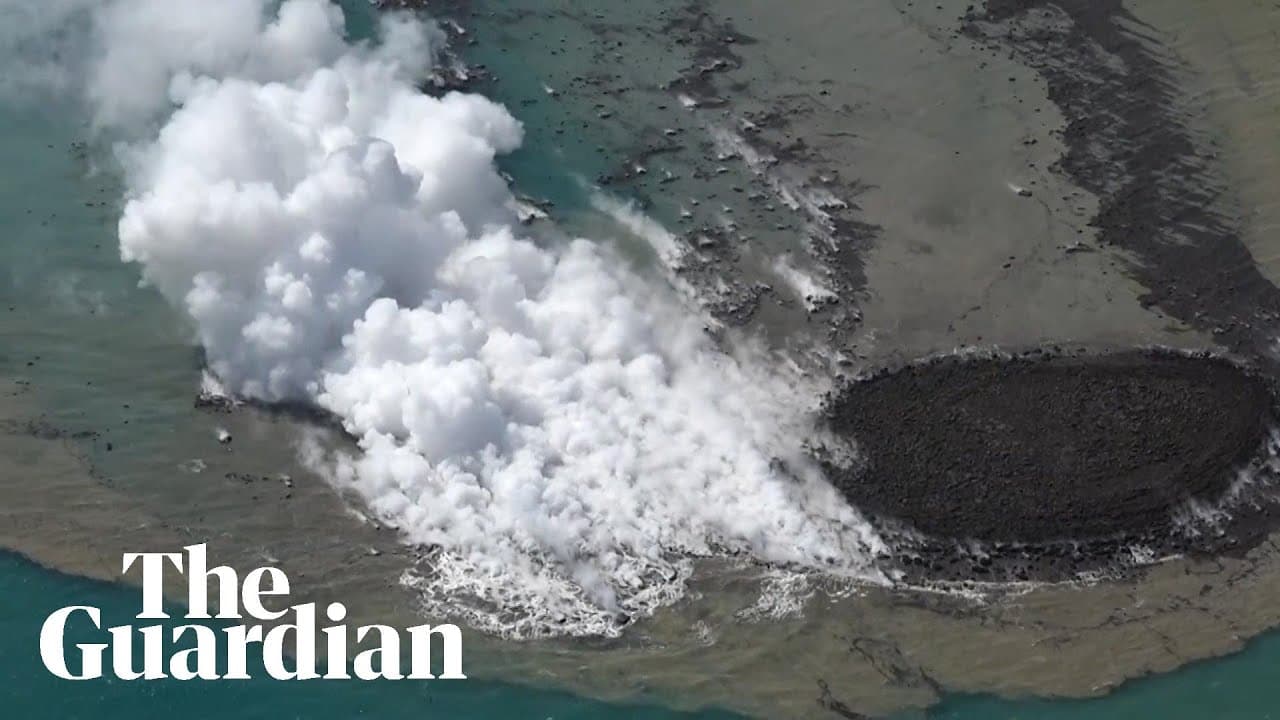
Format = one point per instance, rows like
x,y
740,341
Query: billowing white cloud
x,y
561,434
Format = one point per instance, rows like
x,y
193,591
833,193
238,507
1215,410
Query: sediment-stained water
x,y
855,182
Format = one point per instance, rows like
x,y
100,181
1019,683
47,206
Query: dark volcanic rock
x,y
1130,141
1040,448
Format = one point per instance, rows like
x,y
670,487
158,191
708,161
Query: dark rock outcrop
x,y
1043,450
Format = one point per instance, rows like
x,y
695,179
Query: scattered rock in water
x,y
213,402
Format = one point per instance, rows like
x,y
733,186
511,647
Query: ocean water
x,y
1239,687
90,341
30,593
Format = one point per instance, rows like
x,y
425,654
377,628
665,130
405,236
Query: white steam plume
x,y
561,435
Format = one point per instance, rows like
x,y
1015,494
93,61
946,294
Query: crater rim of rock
x,y
1077,448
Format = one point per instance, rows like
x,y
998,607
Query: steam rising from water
x,y
560,434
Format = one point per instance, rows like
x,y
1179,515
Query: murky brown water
x,y
931,137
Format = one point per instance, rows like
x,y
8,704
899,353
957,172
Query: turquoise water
x,y
1239,687
29,593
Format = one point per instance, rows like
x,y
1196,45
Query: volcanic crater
x,y
1054,462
